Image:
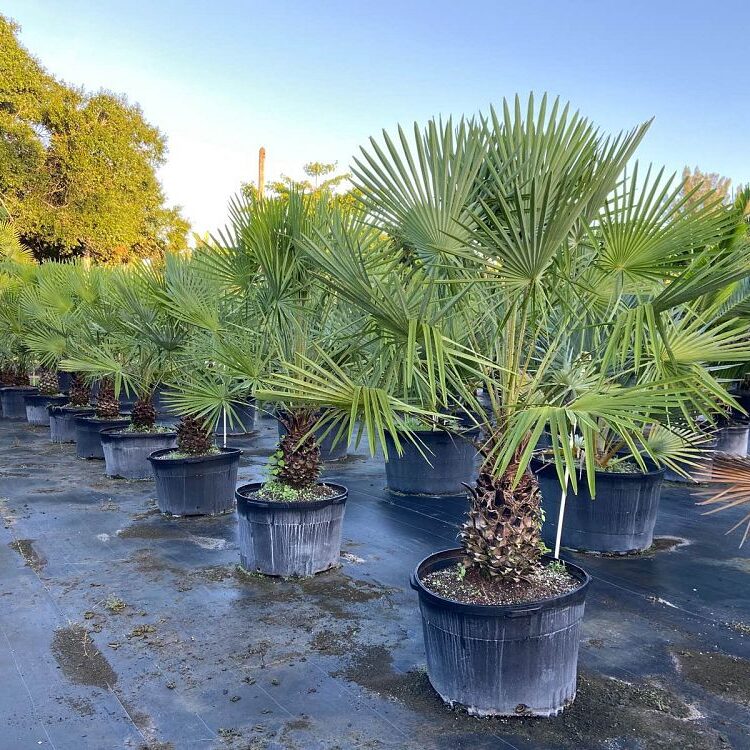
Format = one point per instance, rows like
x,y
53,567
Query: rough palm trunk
x,y
144,413
300,454
502,533
80,393
107,404
48,385
193,437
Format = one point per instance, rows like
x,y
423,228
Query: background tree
x,y
322,182
704,184
78,170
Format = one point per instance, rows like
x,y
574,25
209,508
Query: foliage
x,y
77,169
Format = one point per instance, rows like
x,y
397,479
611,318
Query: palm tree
x,y
581,284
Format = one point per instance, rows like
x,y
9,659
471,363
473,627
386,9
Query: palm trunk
x,y
300,454
501,536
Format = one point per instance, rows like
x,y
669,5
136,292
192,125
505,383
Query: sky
x,y
312,80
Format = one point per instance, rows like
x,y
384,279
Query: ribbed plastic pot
x,y
196,485
62,426
290,539
510,660
246,415
13,400
36,407
88,433
126,453
621,519
328,451
450,462
732,439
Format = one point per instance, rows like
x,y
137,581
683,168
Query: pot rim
x,y
116,433
338,499
19,388
159,457
56,396
85,419
629,475
449,556
67,408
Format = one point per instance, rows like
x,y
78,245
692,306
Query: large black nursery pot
x,y
246,415
620,519
195,485
328,451
88,433
449,463
13,399
126,452
501,660
36,407
290,538
62,426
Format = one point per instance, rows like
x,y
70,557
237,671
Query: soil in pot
x,y
36,406
88,433
126,451
281,537
13,401
450,463
621,519
501,659
195,485
62,427
328,451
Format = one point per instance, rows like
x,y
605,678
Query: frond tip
x,y
729,480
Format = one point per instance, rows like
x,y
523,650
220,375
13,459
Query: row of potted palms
x,y
507,287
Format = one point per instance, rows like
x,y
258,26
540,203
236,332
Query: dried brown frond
x,y
729,480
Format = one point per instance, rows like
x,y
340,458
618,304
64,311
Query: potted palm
x,y
106,415
560,273
62,428
49,394
196,477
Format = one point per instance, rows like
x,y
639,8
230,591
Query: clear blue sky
x,y
312,79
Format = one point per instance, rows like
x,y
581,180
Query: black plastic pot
x,y
449,462
510,660
328,451
126,453
88,433
62,427
620,519
732,438
290,539
246,415
64,380
13,401
36,407
196,485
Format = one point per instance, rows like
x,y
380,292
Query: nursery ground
x,y
124,629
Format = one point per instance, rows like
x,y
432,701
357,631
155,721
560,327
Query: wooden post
x,y
261,171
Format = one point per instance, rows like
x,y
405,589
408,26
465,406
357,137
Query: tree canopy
x,y
78,169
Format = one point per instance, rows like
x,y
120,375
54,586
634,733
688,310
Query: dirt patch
x,y
25,548
82,706
151,531
721,674
606,713
332,643
660,544
80,659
